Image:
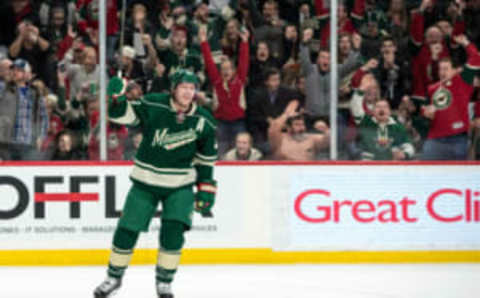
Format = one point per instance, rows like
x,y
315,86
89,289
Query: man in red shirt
x,y
345,24
429,47
229,102
448,110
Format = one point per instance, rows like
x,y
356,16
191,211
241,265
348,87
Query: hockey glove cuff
x,y
205,197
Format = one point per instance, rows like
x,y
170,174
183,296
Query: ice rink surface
x,y
276,281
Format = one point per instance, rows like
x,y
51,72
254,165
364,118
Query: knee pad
x,y
124,238
171,235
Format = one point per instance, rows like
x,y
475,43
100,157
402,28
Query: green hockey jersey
x,y
177,149
376,140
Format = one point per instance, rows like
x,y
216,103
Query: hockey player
x,y
177,151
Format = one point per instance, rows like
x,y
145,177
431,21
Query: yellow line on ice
x,y
235,256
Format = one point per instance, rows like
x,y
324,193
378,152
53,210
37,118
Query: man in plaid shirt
x,y
31,121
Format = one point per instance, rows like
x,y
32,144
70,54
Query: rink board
x,y
342,212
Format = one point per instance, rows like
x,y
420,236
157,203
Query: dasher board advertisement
x,y
78,206
379,208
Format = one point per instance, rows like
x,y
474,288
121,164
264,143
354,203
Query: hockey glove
x,y
205,197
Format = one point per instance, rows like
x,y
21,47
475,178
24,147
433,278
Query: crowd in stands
x,y
409,76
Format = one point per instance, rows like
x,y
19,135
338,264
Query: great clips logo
x,y
320,206
40,196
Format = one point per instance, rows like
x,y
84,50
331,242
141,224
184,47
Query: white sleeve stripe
x,y
128,118
205,157
206,120
200,162
210,123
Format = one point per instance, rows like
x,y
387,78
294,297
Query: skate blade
x,y
113,293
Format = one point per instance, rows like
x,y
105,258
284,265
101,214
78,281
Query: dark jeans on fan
x,y
226,132
446,148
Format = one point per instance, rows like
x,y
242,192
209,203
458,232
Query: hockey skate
x,y
164,290
107,288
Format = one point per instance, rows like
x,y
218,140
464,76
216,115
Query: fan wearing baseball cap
x,y
31,118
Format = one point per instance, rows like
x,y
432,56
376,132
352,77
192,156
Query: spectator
x,y
61,104
290,63
116,136
138,28
55,125
72,46
229,95
87,25
290,44
8,102
344,47
243,149
268,26
58,12
178,55
380,136
136,141
86,71
12,14
164,23
448,109
5,73
393,74
397,18
398,22
268,102
79,112
66,147
113,25
200,18
300,87
345,24
88,11
474,150
428,48
372,94
57,27
295,143
368,16
472,22
32,47
133,69
260,64
231,39
371,22
318,76
31,119
215,27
